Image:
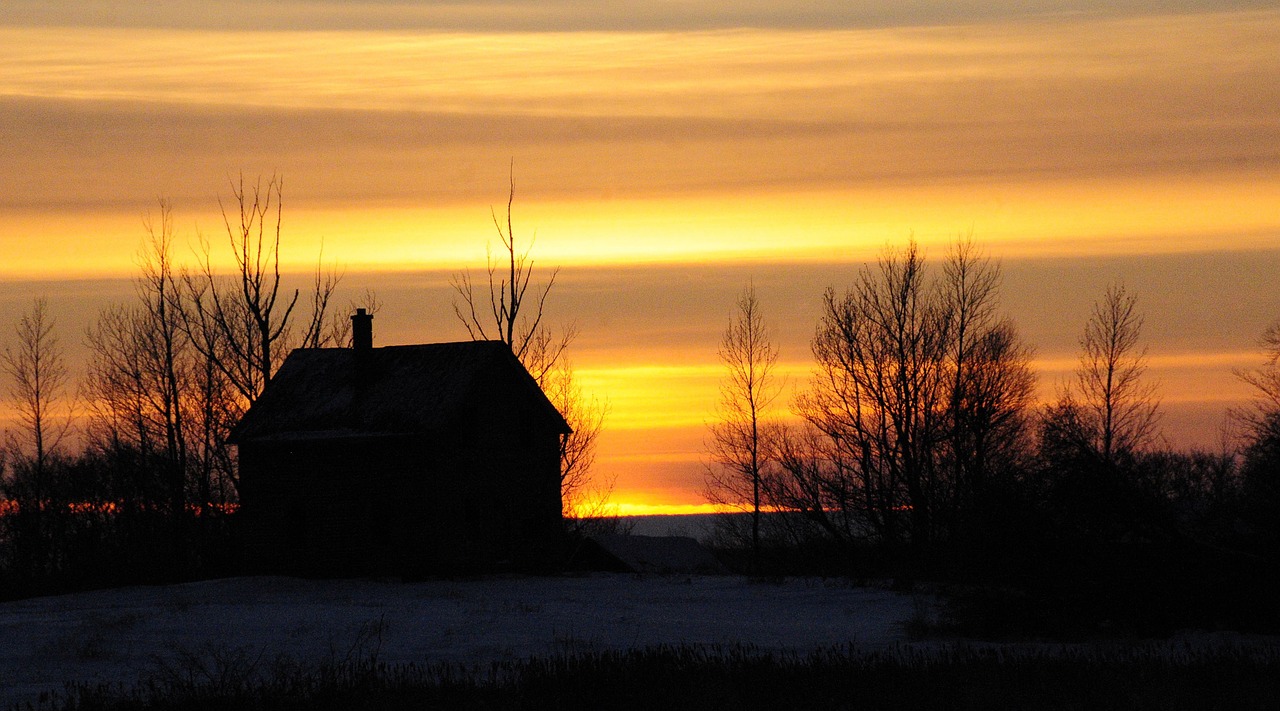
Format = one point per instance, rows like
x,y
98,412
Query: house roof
x,y
334,392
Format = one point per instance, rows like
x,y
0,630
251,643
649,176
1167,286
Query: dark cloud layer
x,y
88,155
570,15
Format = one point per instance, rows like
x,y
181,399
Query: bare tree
x,y
336,332
37,392
818,481
149,390
250,316
582,495
741,437
512,314
1118,408
38,380
1266,384
152,405
969,285
1260,439
164,350
998,392
920,393
882,349
513,311
992,385
115,386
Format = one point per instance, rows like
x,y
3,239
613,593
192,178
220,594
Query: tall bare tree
x,y
245,324
992,385
883,346
148,390
512,309
742,437
112,386
38,380
920,393
148,402
998,392
1117,407
164,349
509,312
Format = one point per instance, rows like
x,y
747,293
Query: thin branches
x,y
742,438
515,314
1120,406
38,379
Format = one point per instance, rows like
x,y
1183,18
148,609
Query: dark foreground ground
x,y
586,642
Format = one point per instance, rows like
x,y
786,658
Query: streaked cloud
x,y
545,15
983,74
1063,134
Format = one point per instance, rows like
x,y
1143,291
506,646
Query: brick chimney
x,y
362,330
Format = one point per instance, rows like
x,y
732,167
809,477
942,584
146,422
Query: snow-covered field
x,y
125,634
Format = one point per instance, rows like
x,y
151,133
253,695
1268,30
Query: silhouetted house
x,y
399,460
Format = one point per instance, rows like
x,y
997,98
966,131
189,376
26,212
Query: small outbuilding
x,y
404,460
661,555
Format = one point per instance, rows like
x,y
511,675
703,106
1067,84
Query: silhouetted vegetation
x,y
518,318
918,410
149,493
921,455
920,452
1129,677
744,432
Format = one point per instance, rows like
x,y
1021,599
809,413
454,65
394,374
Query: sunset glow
x,y
663,158
628,509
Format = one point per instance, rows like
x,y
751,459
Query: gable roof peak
x,y
388,389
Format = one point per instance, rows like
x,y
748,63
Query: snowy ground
x,y
122,635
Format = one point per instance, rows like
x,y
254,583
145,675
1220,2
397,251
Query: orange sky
x,y
666,154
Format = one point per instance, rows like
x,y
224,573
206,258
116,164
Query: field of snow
x,y
126,634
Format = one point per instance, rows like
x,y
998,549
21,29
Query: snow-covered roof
x,y
341,392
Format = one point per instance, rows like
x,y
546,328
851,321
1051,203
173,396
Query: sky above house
x,y
665,154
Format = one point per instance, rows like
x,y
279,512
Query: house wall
x,y
329,507
498,493
522,451
482,494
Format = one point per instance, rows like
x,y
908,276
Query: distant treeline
x,y
922,453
